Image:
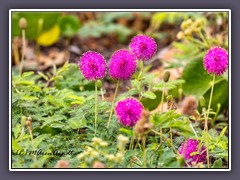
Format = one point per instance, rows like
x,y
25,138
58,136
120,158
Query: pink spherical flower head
x,y
190,147
216,61
143,47
122,65
129,111
92,66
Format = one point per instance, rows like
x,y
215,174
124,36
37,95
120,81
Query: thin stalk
x,y
206,130
23,50
171,136
164,86
206,119
113,102
140,75
144,151
96,105
15,54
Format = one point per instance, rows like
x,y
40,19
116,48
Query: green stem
x,y
140,75
144,151
164,86
96,104
206,119
23,50
113,102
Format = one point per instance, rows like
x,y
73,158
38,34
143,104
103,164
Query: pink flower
x,y
192,146
129,111
216,61
122,65
92,66
143,47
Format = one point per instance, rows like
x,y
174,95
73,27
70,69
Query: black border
x,y
129,169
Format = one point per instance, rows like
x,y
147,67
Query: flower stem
x,y
206,119
113,101
23,50
140,75
164,86
96,103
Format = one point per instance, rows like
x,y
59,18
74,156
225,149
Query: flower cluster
x,y
92,65
143,47
216,61
192,152
129,111
122,65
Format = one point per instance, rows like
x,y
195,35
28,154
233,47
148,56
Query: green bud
x,y
51,147
188,32
23,121
181,161
180,35
99,83
202,101
166,76
169,97
23,23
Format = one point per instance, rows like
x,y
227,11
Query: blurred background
x,y
55,37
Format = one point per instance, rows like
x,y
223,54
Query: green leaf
x,y
49,20
69,25
149,94
76,123
42,75
220,95
49,37
198,81
29,98
217,164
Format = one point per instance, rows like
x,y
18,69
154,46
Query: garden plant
x,y
119,110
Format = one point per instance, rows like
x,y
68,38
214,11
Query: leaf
x,y
217,164
198,81
42,75
69,25
220,95
76,123
49,20
26,74
222,133
29,98
126,131
49,37
149,94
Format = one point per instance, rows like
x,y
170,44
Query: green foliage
x,y
69,25
98,29
32,31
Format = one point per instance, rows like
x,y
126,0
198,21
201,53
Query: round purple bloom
x,y
122,65
216,61
190,147
143,47
92,65
129,111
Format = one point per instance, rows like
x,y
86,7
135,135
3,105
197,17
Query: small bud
x,y
51,147
169,97
62,164
103,144
198,22
186,24
180,35
110,157
188,32
29,121
166,76
98,164
202,101
23,121
94,154
22,23
96,141
81,156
